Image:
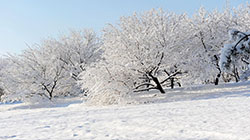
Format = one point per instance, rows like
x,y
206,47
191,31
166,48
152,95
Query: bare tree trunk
x,y
236,74
216,82
158,84
217,79
172,83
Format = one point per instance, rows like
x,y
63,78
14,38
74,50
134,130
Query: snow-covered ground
x,y
201,112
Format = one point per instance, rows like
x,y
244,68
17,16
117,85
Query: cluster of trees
x,y
152,50
51,68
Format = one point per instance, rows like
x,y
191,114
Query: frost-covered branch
x,y
233,54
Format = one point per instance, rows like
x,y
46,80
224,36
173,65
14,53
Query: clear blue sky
x,y
30,21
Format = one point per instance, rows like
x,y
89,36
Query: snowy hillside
x,y
202,112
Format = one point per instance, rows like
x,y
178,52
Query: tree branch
x,y
147,89
170,76
146,84
245,37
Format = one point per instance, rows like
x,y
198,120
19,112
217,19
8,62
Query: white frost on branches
x,y
50,69
236,53
153,50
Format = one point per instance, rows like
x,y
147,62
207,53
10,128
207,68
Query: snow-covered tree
x,y
145,46
207,35
35,72
78,50
103,85
3,64
140,53
236,54
51,68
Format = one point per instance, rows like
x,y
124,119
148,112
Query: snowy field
x,y
195,113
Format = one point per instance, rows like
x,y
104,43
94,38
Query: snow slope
x,y
203,113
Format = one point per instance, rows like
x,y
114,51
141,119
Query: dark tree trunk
x,y
158,84
179,84
216,82
172,83
50,95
